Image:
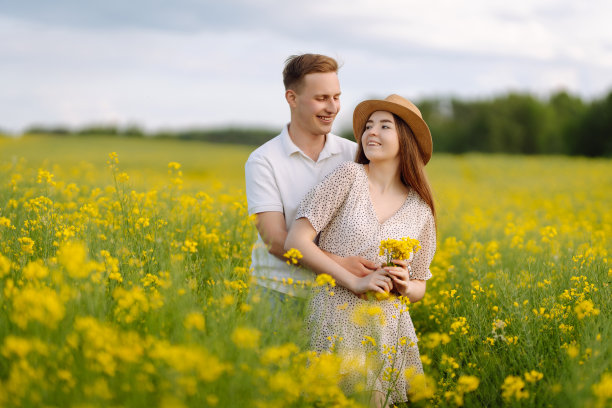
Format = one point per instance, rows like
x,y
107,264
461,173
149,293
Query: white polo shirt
x,y
278,175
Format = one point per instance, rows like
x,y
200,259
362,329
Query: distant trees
x,y
244,136
521,123
518,123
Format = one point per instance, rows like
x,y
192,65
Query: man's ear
x,y
291,97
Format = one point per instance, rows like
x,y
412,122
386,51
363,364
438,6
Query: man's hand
x,y
356,265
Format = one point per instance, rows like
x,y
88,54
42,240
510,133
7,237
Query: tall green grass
x,y
167,316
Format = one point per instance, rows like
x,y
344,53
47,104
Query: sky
x,y
178,64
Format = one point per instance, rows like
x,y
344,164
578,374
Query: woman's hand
x,y
378,281
400,275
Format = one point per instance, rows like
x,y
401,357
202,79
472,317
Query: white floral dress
x,y
362,331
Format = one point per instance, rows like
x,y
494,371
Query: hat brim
x,y
415,122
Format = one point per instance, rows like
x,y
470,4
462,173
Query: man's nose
x,y
333,106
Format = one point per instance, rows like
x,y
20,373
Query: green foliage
x,y
521,124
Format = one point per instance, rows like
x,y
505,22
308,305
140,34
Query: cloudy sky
x,y
182,63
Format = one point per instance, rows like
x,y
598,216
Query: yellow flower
x,y
194,320
325,279
293,256
131,304
174,166
368,339
533,376
5,266
5,222
585,308
467,383
35,270
73,256
398,248
212,400
459,326
190,246
573,351
113,159
603,390
278,354
21,347
123,177
422,387
27,245
45,177
433,340
246,337
365,314
514,388
42,305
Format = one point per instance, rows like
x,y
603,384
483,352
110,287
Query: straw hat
x,y
402,108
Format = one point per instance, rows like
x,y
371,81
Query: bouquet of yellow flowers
x,y
398,248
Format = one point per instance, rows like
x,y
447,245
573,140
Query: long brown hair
x,y
412,169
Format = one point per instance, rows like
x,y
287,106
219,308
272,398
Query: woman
x,y
385,194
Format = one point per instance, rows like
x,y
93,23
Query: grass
x,y
128,284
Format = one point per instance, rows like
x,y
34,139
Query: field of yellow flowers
x,y
124,279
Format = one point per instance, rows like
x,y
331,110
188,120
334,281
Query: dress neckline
x,y
371,204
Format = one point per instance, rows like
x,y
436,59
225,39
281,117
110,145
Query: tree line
x,y
515,123
522,123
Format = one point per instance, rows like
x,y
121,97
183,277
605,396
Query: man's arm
x,y
272,228
273,231
301,237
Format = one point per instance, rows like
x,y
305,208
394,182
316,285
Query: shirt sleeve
x,y
262,190
422,259
322,203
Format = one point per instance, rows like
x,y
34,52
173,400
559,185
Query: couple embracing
x,y
335,201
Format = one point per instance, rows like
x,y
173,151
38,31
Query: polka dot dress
x,y
376,339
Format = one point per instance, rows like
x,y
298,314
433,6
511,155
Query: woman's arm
x,y
301,236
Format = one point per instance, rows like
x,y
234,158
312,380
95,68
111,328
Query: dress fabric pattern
x,y
341,210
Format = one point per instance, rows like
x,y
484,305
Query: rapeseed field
x,y
124,279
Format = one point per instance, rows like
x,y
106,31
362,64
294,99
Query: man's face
x,y
316,103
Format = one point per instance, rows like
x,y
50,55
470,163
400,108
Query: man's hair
x,y
298,66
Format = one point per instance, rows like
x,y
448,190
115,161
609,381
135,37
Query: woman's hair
x,y
298,66
412,169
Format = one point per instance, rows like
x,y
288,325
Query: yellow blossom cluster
x,y
402,248
131,284
293,256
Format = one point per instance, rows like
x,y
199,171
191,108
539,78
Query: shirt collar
x,y
288,144
331,147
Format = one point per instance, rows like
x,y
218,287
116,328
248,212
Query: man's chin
x,y
325,129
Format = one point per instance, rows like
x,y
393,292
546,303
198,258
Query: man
x,y
283,170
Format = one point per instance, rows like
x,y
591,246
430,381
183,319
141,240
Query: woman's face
x,y
379,140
